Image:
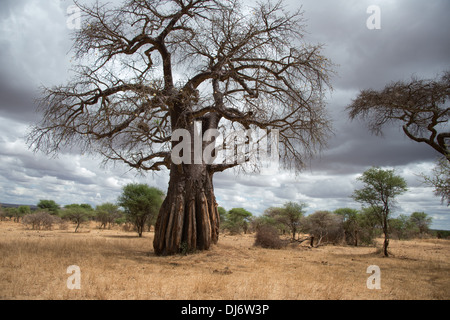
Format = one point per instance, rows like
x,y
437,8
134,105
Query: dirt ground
x,y
115,264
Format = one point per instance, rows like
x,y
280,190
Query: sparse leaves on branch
x,y
420,106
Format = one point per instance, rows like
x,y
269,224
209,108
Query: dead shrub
x,y
39,221
267,237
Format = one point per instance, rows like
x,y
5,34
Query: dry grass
x,y
119,265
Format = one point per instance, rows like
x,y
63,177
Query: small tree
x,y
293,213
350,223
50,205
267,237
402,227
370,226
23,211
324,225
288,217
237,220
379,192
11,213
141,203
77,213
421,221
274,216
107,213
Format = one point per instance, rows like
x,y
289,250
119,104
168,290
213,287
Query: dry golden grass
x,y
119,265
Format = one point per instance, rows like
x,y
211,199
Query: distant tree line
x,y
137,208
343,225
138,205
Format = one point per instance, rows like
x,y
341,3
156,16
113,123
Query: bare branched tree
x,y
148,68
421,106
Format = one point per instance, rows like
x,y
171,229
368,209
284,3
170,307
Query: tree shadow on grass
x,y
124,236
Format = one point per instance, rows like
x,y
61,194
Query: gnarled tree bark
x,y
188,218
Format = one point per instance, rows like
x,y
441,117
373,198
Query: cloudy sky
x,y
35,44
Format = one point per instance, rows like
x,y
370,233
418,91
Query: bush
x,y
325,226
267,237
40,220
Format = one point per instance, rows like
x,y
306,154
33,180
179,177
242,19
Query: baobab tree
x,y
149,69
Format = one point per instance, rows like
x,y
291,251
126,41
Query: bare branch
x,y
242,67
420,105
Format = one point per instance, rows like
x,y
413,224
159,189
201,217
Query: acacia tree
x,y
78,213
106,213
350,224
379,192
420,106
292,214
49,205
238,219
141,203
287,217
149,68
440,180
421,220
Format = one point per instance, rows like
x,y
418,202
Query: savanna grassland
x,y
116,264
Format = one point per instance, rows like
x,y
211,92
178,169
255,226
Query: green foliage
x,y
407,227
50,205
324,226
421,221
16,213
441,234
222,214
380,188
350,224
237,220
23,210
107,213
141,204
77,213
288,217
379,192
292,214
402,227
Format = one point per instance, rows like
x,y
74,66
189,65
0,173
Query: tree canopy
x,y
49,205
379,192
141,204
420,106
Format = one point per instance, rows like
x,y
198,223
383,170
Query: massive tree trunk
x,y
188,219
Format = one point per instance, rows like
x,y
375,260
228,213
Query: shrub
x,y
267,237
325,226
39,220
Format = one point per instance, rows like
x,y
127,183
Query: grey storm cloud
x,y
35,47
413,39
